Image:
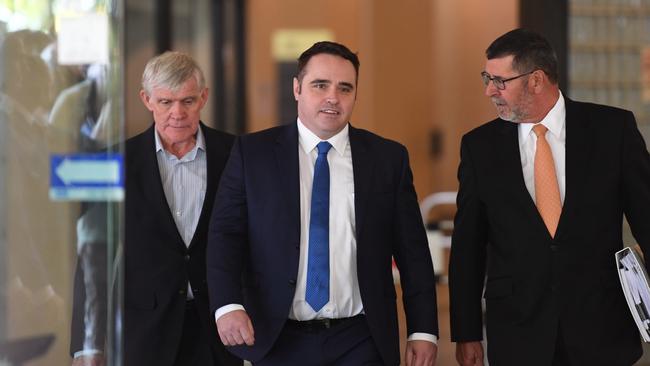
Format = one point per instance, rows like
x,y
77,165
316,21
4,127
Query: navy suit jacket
x,y
537,285
254,238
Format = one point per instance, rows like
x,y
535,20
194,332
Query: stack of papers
x,y
636,287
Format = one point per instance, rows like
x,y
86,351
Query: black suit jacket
x,y
158,264
254,240
537,285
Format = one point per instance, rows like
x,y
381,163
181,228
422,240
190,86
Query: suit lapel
x,y
211,157
286,157
577,151
362,166
151,185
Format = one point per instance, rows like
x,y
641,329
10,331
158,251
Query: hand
x,y
235,328
469,353
420,353
89,360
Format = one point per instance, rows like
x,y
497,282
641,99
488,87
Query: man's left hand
x,y
421,353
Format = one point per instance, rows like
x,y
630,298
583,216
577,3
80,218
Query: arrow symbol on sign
x,y
89,171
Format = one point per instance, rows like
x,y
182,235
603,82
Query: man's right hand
x,y
235,328
469,353
89,360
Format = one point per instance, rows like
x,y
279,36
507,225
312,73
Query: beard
x,y
520,110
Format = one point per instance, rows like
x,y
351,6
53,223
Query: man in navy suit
x,y
269,224
546,243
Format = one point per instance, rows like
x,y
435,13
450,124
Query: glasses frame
x,y
498,82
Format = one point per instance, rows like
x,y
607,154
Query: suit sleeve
x,y
636,183
467,259
228,234
78,300
413,259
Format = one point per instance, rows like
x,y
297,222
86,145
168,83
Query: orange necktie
x,y
547,191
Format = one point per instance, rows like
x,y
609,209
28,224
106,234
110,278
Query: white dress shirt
x,y
184,181
555,122
345,296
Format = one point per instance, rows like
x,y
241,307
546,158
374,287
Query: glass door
x,y
62,180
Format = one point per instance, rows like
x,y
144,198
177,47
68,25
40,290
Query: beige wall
x,y
461,32
399,80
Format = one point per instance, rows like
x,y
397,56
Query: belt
x,y
317,325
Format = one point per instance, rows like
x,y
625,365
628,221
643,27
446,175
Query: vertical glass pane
x,y
608,44
60,196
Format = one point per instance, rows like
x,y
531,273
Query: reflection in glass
x,y
47,107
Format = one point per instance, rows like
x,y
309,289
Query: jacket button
x,y
187,257
554,248
292,282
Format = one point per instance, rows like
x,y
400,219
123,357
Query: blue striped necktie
x,y
318,261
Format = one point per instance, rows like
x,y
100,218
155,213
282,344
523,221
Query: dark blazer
x,y
158,264
254,239
538,287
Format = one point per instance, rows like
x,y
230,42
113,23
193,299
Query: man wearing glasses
x,y
543,190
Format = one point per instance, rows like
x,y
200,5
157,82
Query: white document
x,y
636,287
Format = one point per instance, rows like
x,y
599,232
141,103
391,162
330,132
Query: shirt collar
x,y
200,144
308,140
554,120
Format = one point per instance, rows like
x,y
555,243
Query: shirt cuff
x,y
87,352
226,309
423,337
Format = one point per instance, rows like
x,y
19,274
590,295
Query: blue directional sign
x,y
87,177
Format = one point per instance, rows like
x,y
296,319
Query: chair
x,y
438,235
438,239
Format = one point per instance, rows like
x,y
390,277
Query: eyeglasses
x,y
498,82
